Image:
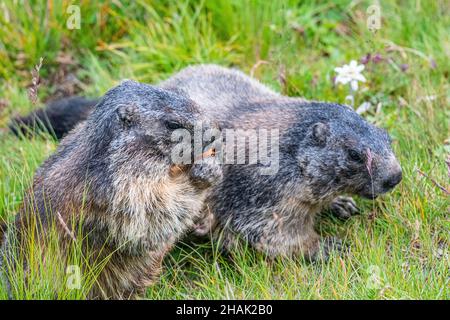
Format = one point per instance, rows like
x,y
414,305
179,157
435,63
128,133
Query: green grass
x,y
399,245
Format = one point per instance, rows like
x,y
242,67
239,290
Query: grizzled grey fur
x,y
113,176
327,151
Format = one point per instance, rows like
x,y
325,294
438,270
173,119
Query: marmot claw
x,y
344,207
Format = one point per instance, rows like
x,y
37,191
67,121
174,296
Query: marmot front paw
x,y
344,207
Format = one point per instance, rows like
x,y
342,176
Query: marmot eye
x,y
173,125
355,156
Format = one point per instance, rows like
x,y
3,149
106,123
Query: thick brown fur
x,y
112,176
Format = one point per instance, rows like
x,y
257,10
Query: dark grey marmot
x,y
113,175
326,151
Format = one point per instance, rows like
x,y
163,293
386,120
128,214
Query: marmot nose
x,y
393,180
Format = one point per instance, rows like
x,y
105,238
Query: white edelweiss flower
x,y
350,73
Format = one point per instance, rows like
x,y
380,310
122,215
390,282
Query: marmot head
x,y
133,125
343,153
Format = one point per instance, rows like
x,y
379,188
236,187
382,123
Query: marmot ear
x,y
128,114
320,133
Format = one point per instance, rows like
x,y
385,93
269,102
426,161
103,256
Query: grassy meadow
x,y
399,245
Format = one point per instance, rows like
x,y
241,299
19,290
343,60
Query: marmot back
x,y
218,90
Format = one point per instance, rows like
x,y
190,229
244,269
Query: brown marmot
x,y
113,177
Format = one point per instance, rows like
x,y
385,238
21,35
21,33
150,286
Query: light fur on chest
x,y
153,212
